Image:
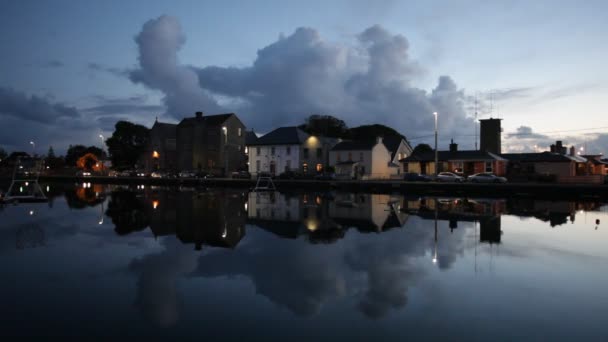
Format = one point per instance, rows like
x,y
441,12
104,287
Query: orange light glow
x,y
155,154
155,204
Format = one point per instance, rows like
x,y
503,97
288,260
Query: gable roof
x,y
466,155
250,138
212,120
543,157
291,135
392,144
354,145
165,129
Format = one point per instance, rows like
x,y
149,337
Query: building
x,y
161,152
548,166
288,149
490,136
466,162
211,143
597,165
363,160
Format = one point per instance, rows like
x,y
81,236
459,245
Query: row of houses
x,y
220,144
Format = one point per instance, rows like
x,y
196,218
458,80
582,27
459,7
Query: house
x,y
161,152
213,143
562,168
288,149
363,160
466,162
597,165
399,149
367,212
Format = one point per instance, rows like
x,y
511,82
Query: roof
x,y
212,120
250,138
354,145
282,136
470,155
392,144
165,129
543,157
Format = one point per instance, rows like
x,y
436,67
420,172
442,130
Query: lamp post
x,y
33,148
436,153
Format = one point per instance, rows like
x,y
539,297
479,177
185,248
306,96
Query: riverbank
x,y
536,190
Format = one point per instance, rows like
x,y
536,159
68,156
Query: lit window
x,y
240,132
319,167
155,154
305,167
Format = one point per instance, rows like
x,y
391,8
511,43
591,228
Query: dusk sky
x,y
70,69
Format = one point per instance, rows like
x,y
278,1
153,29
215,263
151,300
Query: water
x,y
230,265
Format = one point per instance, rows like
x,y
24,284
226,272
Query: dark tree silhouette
x,y
127,144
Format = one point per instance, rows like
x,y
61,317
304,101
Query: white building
x,y
369,159
288,149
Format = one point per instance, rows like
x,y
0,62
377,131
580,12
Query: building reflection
x,y
214,218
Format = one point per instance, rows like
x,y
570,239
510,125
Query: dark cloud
x,y
118,72
133,105
33,108
158,43
53,64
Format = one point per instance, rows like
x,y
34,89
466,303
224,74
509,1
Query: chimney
x,y
453,147
552,148
378,140
572,150
199,115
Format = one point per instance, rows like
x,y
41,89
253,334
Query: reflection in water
x,y
377,272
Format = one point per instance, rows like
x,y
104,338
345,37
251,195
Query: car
x,y
156,174
83,173
486,177
187,174
416,177
449,177
142,173
241,175
325,176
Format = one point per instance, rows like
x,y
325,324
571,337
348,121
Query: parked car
x,y
449,177
83,173
416,177
187,174
241,175
157,174
486,177
325,176
142,173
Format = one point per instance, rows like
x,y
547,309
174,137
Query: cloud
x,y
33,108
53,64
118,72
133,105
158,43
366,81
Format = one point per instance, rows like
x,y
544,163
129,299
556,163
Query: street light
x,y
436,153
33,148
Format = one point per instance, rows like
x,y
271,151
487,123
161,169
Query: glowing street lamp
x,y
436,153
33,147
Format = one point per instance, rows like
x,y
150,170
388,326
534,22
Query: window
x,y
319,153
338,158
305,167
240,132
306,153
257,166
399,157
209,163
488,166
361,156
288,151
406,167
350,156
287,165
319,167
457,166
272,150
246,150
257,150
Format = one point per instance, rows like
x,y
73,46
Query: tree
x,y
53,161
77,151
3,154
367,132
127,144
422,148
325,125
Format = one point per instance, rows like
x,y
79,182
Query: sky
x,y
70,69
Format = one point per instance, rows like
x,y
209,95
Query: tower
x,y
490,131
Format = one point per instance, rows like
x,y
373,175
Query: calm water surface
x,y
226,264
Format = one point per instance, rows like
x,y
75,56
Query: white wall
x,y
280,158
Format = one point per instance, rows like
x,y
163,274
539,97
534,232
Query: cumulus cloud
x,y
369,80
158,43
